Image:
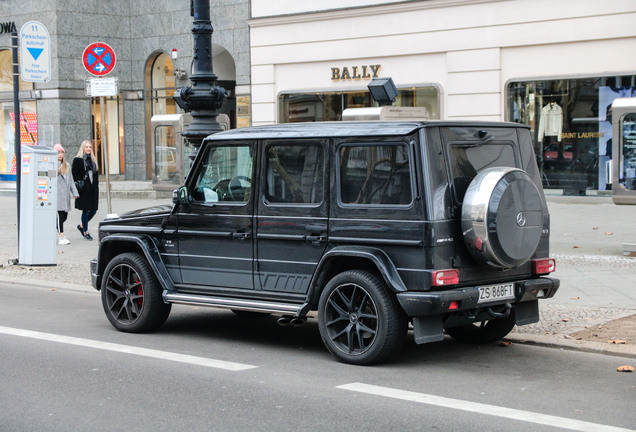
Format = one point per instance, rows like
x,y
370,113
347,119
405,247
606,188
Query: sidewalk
x,y
596,301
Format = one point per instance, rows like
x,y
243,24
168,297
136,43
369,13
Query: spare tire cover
x,y
502,217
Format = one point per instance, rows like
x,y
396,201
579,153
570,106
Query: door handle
x,y
316,238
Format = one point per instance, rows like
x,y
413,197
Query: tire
x,y
131,295
359,319
502,217
483,332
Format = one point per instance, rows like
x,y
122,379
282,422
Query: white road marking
x,y
476,407
127,349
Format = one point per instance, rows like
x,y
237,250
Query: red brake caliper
x,y
140,292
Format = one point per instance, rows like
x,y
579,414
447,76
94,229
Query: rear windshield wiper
x,y
482,135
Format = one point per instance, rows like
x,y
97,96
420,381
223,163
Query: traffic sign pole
x,y
99,59
16,116
102,108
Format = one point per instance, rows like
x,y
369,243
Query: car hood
x,y
156,210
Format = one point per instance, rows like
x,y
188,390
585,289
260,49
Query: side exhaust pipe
x,y
284,321
298,321
287,320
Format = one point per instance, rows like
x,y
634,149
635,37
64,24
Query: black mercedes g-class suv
x,y
369,226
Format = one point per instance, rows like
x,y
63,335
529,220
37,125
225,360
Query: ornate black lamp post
x,y
203,98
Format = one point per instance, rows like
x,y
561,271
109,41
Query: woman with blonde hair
x,y
85,171
65,189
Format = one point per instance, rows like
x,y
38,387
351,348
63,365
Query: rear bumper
x,y
422,304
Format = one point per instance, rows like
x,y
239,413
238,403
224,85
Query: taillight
x,y
543,266
445,277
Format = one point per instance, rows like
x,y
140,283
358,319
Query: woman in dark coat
x,y
85,167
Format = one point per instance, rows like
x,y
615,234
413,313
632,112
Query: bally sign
x,y
355,72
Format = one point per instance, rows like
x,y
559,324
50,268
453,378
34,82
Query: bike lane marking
x,y
480,408
128,349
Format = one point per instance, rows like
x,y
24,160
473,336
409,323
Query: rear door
x,y
292,214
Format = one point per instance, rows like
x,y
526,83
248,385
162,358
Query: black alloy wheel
x,y
131,295
359,319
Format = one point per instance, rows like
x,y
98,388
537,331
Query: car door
x,y
292,214
216,234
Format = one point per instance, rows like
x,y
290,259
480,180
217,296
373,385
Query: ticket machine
x,y
38,206
624,157
624,150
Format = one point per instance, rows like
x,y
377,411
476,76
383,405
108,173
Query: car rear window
x,y
375,174
471,149
467,159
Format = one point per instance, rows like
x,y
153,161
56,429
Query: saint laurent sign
x,y
355,72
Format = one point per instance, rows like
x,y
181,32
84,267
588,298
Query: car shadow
x,y
263,332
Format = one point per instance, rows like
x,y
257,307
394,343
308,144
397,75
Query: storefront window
x,y
160,88
328,106
28,118
571,126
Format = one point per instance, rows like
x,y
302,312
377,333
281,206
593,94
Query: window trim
x,y
195,176
266,145
411,156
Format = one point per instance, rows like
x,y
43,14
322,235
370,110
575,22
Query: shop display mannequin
x,y
551,122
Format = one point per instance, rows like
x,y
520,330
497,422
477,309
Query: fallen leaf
x,y
609,233
576,298
565,319
595,228
576,247
625,369
617,341
504,343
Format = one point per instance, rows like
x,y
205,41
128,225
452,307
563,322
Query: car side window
x,y
375,174
294,174
225,176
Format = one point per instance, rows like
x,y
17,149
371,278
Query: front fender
x,y
116,244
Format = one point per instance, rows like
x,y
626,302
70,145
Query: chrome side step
x,y
238,304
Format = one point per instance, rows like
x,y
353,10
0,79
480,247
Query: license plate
x,y
490,293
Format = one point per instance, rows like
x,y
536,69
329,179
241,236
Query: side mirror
x,y
183,195
180,196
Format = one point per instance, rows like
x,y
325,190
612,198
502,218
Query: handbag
x,y
80,185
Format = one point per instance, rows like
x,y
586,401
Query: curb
x,y
64,286
561,342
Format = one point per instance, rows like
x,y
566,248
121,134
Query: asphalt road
x,y
65,368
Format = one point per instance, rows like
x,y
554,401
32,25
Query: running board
x,y
238,304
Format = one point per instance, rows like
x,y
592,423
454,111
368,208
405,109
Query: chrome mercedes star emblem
x,y
521,219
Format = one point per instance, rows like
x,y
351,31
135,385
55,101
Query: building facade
x,y
553,65
152,40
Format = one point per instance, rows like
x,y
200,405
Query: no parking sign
x,y
99,58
